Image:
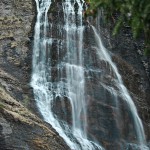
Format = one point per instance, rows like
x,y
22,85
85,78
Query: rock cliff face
x,y
133,65
16,24
135,70
22,130
19,128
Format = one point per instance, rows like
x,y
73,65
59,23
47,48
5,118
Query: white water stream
x,y
103,55
46,91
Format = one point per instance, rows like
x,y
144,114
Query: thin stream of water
x,y
103,54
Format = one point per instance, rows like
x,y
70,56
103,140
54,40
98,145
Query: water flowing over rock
x,y
20,128
76,85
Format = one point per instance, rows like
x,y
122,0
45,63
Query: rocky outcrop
x,y
133,65
16,27
138,86
20,129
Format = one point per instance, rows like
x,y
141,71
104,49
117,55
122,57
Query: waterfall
x,y
60,75
103,54
44,90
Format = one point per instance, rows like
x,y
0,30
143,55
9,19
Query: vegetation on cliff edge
x,y
134,13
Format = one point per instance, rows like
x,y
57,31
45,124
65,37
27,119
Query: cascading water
x,y
65,77
102,52
44,90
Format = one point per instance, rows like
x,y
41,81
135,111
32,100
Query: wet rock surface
x,y
133,65
135,73
19,128
110,121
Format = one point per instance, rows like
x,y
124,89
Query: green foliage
x,y
135,13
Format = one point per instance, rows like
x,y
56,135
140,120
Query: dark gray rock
x,y
19,128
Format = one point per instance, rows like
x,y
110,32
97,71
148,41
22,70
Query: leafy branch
x,y
135,13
